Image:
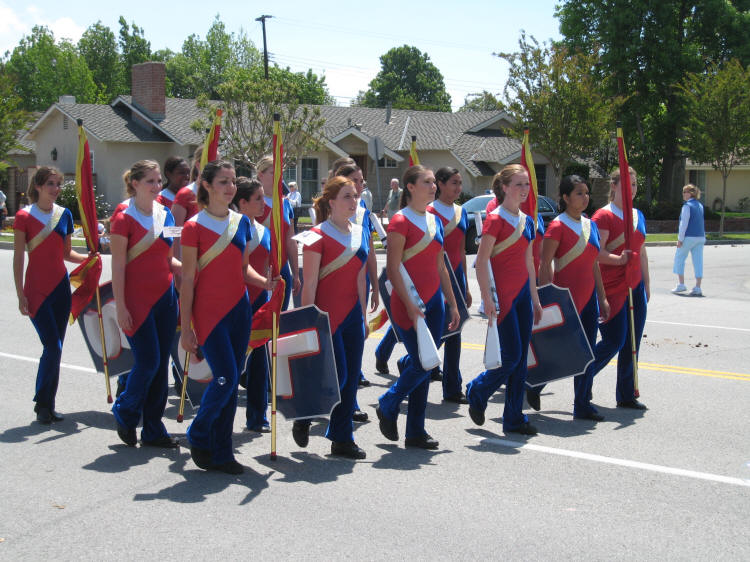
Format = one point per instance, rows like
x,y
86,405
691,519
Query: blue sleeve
x,y
68,224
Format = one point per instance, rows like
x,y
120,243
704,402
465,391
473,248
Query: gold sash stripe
x,y
157,225
577,249
514,237
355,240
223,241
41,236
423,242
453,223
620,240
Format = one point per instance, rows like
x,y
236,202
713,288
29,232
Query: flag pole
x,y
105,361
183,390
274,342
633,346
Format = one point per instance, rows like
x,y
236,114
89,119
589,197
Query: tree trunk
x,y
723,203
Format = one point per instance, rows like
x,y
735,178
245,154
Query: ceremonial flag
x,y
263,319
378,321
527,161
413,157
85,277
626,188
211,144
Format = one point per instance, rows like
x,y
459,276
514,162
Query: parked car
x,y
546,206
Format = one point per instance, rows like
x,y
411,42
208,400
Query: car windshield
x,y
477,203
544,205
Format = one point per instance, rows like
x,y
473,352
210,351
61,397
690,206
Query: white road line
x,y
697,325
36,360
619,462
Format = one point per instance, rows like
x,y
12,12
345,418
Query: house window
x,y
541,178
290,174
698,179
387,162
65,122
310,177
93,166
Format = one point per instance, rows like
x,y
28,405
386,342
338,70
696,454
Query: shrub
x,y
69,200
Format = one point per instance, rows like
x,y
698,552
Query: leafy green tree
x,y
409,80
552,90
134,48
98,47
718,129
12,117
43,70
484,101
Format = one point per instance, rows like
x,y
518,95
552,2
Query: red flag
x,y
378,322
632,272
86,276
263,319
211,144
529,206
413,156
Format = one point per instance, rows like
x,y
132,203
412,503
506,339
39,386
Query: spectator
x,y
3,210
691,238
295,200
367,197
393,203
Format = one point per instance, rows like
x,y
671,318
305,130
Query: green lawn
x,y
666,237
8,237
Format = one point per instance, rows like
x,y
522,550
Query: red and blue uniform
x,y
615,331
342,257
287,215
166,197
256,372
537,244
221,320
455,222
512,234
577,251
152,303
47,290
187,198
423,235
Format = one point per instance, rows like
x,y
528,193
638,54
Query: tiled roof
x,y
113,124
180,114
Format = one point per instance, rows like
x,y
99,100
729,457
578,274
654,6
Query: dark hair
x,y
246,188
136,172
567,185
207,175
503,177
443,175
411,175
331,190
196,163
39,179
344,160
346,170
172,163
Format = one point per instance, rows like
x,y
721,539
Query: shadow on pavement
x,y
397,457
307,467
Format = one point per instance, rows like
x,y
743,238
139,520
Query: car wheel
x,y
471,236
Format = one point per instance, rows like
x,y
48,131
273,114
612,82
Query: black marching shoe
x,y
201,457
363,382
590,416
476,415
163,442
55,416
347,449
381,366
632,405
534,400
260,428
525,429
301,433
359,416
459,398
436,375
229,467
389,428
43,415
422,442
127,435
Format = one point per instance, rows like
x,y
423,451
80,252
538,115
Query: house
x,y
711,185
149,125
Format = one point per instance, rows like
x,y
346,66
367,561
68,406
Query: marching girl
x,y
146,303
506,247
44,230
289,255
614,262
177,172
415,239
454,221
335,282
572,240
249,202
215,311
185,204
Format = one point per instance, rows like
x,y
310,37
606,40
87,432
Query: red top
x,y
220,284
422,267
337,291
537,249
46,268
286,215
260,248
509,265
575,270
147,274
454,221
609,218
166,197
187,198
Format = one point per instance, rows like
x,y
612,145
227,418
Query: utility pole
x,y
262,20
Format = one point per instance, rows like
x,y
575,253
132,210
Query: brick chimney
x,y
148,89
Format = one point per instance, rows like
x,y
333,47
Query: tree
x,y
484,101
645,50
98,47
718,129
12,117
552,91
43,70
408,80
134,48
249,102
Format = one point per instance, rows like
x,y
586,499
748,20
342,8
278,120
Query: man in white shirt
x,y
295,200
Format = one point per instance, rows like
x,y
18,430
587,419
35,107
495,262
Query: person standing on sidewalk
x,y
691,238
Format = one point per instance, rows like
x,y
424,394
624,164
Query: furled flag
x,y
632,271
263,319
85,277
378,321
529,206
413,157
211,144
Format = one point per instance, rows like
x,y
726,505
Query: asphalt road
x,y
669,483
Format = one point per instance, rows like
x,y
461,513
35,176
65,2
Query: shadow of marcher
x,y
302,466
487,442
401,458
74,423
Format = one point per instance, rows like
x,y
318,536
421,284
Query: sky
x,y
344,41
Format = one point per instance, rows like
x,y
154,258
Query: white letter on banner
x,y
552,317
292,346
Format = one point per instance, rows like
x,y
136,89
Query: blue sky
x,y
344,42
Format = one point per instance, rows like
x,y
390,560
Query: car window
x,y
477,203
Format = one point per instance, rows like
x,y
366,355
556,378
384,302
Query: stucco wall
x,y
738,186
